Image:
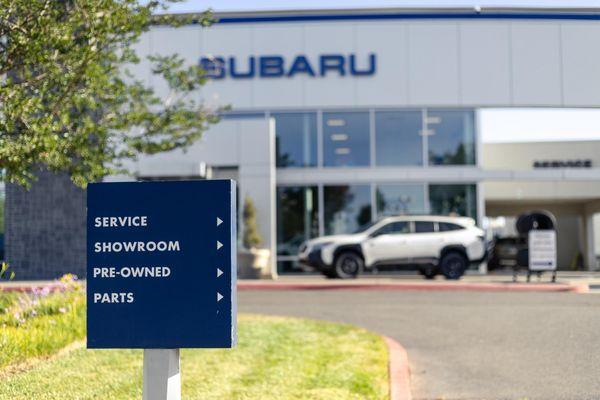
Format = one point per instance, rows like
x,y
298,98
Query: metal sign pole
x,y
162,380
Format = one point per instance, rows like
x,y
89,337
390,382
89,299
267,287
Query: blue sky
x,y
506,125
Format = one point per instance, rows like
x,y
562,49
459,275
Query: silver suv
x,y
435,244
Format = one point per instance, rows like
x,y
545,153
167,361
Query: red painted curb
x,y
469,287
399,371
354,285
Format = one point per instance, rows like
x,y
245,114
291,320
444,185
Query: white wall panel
x,y
536,63
226,41
499,63
485,63
433,63
389,85
581,63
287,41
331,90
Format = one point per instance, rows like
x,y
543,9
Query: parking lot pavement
x,y
469,345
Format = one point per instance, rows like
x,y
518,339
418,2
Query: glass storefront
x,y
346,208
398,139
400,199
346,139
412,138
451,137
296,139
458,200
392,137
297,209
298,220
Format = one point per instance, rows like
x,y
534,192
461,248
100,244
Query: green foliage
x,y
37,325
276,358
251,237
6,273
67,99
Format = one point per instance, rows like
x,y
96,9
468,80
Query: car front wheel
x,y
348,265
453,265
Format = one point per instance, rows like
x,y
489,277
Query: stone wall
x,y
45,228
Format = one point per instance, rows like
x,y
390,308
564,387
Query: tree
x,y
67,100
251,237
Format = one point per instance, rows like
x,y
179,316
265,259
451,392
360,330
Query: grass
x,y
38,325
276,358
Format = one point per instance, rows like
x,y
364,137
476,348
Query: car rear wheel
x,y
348,265
453,265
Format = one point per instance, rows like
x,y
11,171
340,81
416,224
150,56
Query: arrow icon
x,y
219,272
219,245
219,297
219,221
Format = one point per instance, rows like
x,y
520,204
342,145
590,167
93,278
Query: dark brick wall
x,y
45,228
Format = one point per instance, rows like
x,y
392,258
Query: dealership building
x,y
338,118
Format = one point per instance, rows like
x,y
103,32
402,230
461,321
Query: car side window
x,y
393,228
448,226
424,227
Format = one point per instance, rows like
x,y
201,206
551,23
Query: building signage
x,y
277,66
563,164
542,250
161,264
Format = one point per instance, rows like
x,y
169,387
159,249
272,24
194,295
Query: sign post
x,y
161,272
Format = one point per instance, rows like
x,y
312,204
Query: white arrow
x,y
219,245
219,297
219,272
219,221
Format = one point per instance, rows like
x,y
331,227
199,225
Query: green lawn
x,y
38,325
276,358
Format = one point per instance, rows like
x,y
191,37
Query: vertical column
x,y
257,178
590,241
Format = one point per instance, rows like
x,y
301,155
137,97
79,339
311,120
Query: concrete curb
x,y
424,286
358,285
399,371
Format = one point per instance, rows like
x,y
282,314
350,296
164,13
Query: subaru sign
x,y
161,264
277,66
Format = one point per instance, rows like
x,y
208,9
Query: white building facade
x,y
338,118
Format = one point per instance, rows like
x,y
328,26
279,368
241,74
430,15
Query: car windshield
x,y
364,227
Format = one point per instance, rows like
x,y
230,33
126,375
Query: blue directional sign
x,y
161,264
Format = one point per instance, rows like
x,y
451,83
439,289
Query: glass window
x,y
296,139
398,139
424,227
346,208
455,200
297,218
451,137
346,139
394,228
400,199
447,226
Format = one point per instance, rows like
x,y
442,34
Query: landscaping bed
x,y
276,358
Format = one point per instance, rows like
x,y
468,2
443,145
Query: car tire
x,y
348,265
428,271
329,274
453,265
